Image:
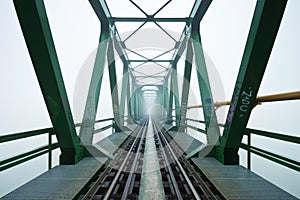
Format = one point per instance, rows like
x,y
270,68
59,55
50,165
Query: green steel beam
x,y
17,136
113,85
211,123
128,96
170,106
174,79
36,30
150,60
132,99
19,159
178,52
278,136
265,24
147,19
186,83
146,76
123,93
91,106
175,93
199,10
292,164
101,10
163,97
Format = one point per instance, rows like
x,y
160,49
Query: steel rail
x,y
129,179
189,182
111,187
97,183
201,184
174,183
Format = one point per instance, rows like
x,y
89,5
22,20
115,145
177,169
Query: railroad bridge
x,y
159,142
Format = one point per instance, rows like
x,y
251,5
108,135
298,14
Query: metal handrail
x,y
16,160
287,162
16,136
273,135
23,157
19,159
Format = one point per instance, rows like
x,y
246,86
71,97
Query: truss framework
x,y
34,23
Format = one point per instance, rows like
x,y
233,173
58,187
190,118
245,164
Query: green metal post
x,y
113,85
249,152
265,24
211,123
176,94
50,150
87,127
137,101
132,100
186,86
128,96
167,97
123,93
36,31
169,111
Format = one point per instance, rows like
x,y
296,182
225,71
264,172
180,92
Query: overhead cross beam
x,y
147,19
265,24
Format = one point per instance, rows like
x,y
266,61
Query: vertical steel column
x,y
138,110
163,99
248,151
50,150
36,31
113,85
176,94
265,24
128,96
186,85
124,92
211,123
132,100
170,106
88,121
166,98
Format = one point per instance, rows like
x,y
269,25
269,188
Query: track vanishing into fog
x,y
150,165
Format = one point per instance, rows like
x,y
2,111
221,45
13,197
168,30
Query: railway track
x,y
148,163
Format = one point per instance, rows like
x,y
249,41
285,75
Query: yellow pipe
x,y
259,100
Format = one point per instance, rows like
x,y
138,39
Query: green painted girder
x,y
36,31
149,60
124,93
174,78
150,76
170,106
113,85
186,83
165,97
147,19
128,97
199,10
178,53
211,122
87,128
175,93
265,24
101,10
132,98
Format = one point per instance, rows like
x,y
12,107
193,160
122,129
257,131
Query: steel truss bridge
x,y
151,156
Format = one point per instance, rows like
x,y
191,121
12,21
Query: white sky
x,y
76,30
